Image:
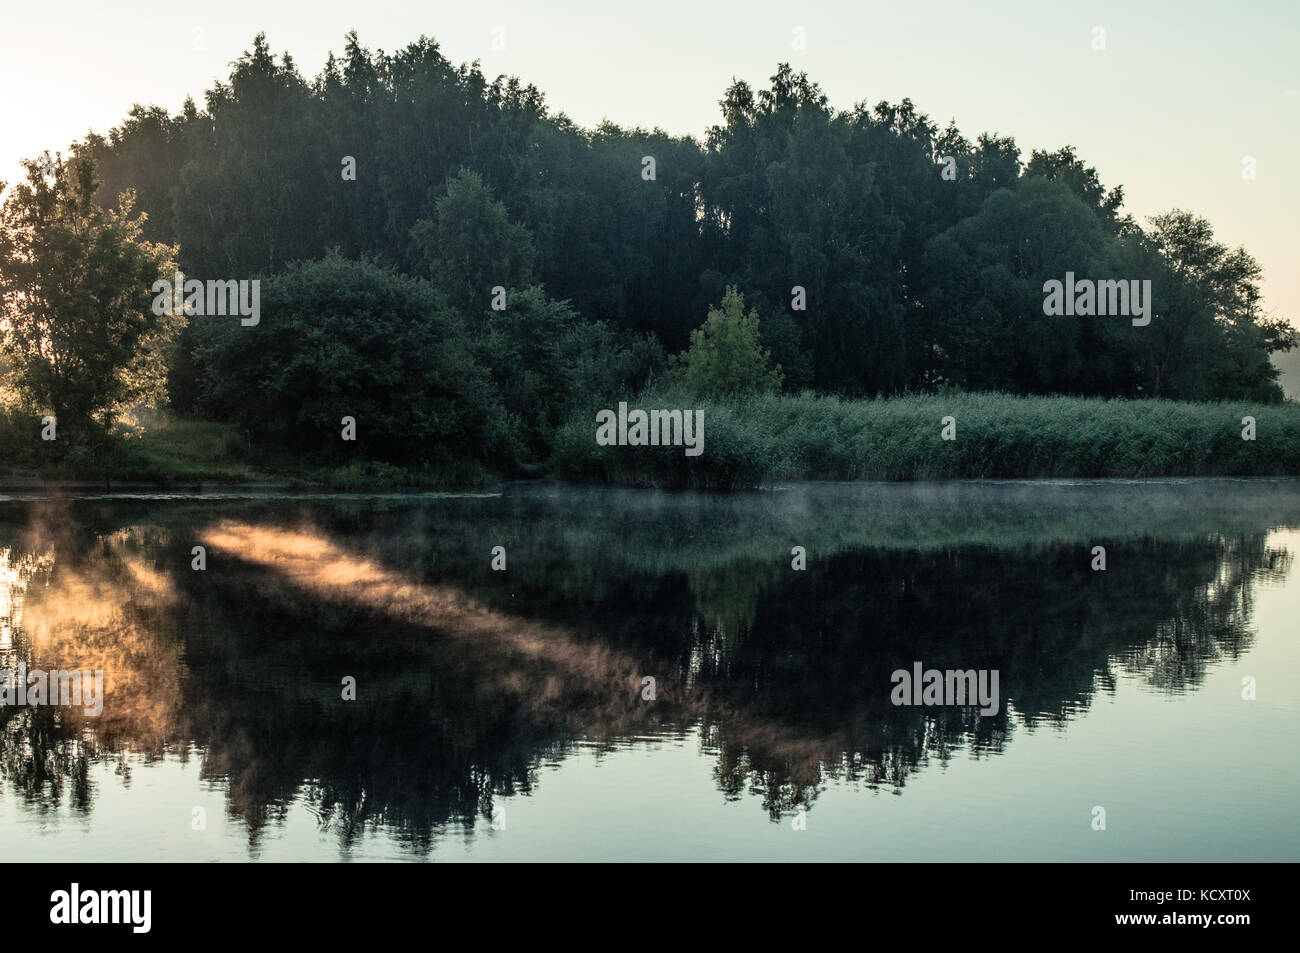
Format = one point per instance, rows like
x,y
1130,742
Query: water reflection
x,y
468,680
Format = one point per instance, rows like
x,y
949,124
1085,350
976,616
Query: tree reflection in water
x,y
468,680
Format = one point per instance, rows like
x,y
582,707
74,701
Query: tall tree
x,y
1212,339
470,245
76,296
725,357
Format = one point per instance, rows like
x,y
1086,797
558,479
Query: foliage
x,y
76,320
725,357
471,246
761,440
886,255
341,338
898,230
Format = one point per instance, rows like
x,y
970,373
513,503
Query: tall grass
x,y
757,441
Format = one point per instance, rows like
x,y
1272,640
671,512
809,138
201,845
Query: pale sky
x,y
1182,92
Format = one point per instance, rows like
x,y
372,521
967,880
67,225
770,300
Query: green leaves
x,y
725,357
75,296
471,246
342,337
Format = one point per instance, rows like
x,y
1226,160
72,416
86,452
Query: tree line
x,y
382,201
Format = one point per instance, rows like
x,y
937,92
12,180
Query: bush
x,y
350,338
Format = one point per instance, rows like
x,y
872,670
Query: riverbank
x,y
748,443
178,453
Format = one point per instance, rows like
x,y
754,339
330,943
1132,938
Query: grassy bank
x,y
170,451
758,441
748,442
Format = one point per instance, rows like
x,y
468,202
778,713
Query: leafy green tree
x,y
351,338
76,297
471,245
982,321
1066,167
1210,339
725,356
546,361
797,194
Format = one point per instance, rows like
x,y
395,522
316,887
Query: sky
x,y
1181,93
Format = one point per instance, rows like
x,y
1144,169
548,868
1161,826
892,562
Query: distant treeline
x,y
913,277
461,272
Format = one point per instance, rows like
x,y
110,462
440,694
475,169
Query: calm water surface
x,y
500,715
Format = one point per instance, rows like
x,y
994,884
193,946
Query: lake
x,y
547,672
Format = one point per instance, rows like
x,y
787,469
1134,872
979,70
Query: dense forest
x,y
382,203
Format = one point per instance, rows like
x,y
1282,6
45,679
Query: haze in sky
x,y
1181,94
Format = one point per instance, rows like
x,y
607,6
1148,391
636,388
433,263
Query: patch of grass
x,y
170,450
165,451
373,474
186,451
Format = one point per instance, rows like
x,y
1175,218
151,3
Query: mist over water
x,y
502,714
